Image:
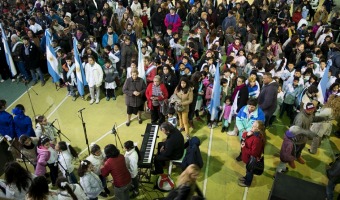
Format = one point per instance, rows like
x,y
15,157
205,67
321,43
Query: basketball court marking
x,y
17,99
207,165
110,131
56,108
245,193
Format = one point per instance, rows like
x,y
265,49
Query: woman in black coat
x,y
169,79
157,20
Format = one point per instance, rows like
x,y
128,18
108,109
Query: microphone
x,y
114,130
81,109
51,124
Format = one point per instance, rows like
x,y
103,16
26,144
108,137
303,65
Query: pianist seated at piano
x,y
171,149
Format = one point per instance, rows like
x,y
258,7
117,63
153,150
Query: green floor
x,y
218,178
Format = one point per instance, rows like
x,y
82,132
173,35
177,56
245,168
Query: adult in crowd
x,y
22,123
171,149
115,165
17,181
172,20
185,94
156,95
268,97
169,79
252,145
333,175
134,90
94,77
29,149
17,57
30,53
304,120
128,51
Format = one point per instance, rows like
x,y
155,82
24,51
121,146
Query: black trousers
x,y
110,93
53,172
156,115
289,108
159,160
299,148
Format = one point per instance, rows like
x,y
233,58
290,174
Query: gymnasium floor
x,y
220,173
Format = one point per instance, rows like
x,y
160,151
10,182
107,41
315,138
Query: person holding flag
x,y
52,61
8,56
69,75
80,72
215,98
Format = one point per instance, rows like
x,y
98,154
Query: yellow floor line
x,y
17,99
57,107
109,132
207,164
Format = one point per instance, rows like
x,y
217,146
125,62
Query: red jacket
x,y
253,147
118,170
148,94
296,17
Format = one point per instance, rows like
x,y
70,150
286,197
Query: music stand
x,y
115,133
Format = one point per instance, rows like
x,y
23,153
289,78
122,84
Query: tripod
x,y
115,133
29,96
84,128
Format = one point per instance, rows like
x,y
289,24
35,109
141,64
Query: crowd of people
x,y
271,61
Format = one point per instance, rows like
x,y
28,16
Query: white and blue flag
x,y
80,73
9,58
215,100
52,61
141,70
323,83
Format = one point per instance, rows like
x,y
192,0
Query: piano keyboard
x,y
148,145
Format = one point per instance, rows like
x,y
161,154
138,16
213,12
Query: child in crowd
x,y
131,160
97,159
226,114
46,156
70,77
29,149
90,181
22,122
44,128
253,88
132,67
287,152
280,97
110,75
69,191
172,118
66,154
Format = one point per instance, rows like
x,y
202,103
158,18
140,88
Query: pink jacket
x,y
43,156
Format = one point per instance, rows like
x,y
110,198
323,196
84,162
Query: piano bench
x,y
175,162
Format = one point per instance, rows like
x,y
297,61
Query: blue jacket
x,y
22,124
6,124
193,154
188,65
106,37
244,123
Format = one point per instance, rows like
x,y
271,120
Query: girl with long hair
x,y
17,181
39,190
90,181
69,191
184,92
44,128
66,155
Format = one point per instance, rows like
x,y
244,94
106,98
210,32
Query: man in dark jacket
x,y
171,149
129,51
335,56
31,55
268,97
230,20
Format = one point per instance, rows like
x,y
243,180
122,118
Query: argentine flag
x,y
215,100
141,70
9,59
80,73
323,83
52,62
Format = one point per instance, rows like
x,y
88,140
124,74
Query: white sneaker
x,y
2,80
231,133
97,101
13,80
91,101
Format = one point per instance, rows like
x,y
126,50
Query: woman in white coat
x,y
94,78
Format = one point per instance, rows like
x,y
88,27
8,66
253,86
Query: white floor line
x,y
56,108
17,99
245,193
207,164
109,132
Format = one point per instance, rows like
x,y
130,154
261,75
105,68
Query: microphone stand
x,y
84,128
115,133
29,97
22,155
60,133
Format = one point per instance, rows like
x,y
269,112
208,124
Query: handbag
x,y
256,166
174,100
